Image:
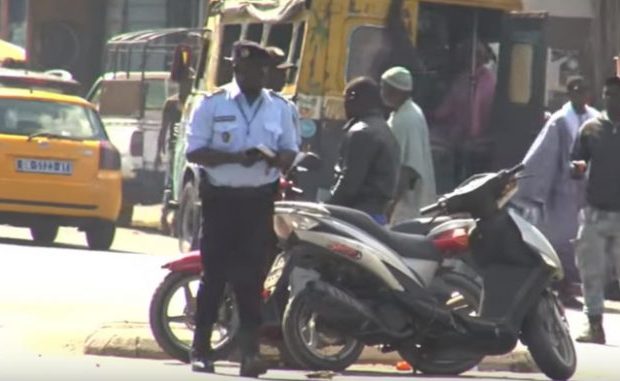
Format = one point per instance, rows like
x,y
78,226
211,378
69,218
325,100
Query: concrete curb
x,y
134,340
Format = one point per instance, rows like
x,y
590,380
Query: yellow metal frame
x,y
506,5
324,53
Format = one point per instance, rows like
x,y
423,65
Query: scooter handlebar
x,y
516,169
436,207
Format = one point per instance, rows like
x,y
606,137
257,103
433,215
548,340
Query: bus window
x,y
230,34
287,36
366,44
297,41
280,35
254,32
520,87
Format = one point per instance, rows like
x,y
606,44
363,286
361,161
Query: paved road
x,y
51,299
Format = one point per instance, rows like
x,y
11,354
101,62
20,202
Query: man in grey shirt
x,y
367,171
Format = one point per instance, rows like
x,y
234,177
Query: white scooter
x,y
370,285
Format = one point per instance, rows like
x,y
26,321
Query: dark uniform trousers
x,y
237,235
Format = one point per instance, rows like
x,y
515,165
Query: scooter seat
x,y
406,245
421,226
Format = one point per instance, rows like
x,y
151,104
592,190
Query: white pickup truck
x,y
130,105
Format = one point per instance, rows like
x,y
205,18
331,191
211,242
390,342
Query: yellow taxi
x,y
57,167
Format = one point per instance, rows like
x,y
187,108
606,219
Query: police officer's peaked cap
x,y
577,83
249,50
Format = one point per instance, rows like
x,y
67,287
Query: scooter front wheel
x,y
548,339
171,317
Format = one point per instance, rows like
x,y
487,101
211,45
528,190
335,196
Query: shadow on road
x,y
430,377
149,230
26,242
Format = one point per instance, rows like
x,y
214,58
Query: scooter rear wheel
x,y
312,346
465,298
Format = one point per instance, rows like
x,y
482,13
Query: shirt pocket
x,y
226,135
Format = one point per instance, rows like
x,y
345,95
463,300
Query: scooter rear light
x,y
347,251
451,241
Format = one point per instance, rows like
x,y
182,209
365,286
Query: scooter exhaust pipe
x,y
344,312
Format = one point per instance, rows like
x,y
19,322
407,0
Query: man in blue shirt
x,y
243,135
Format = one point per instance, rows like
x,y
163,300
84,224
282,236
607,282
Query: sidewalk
x,y
134,340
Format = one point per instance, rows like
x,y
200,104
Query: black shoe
x,y
571,302
593,332
201,362
252,366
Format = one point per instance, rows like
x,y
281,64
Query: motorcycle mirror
x,y
310,161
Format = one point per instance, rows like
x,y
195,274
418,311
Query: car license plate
x,y
50,167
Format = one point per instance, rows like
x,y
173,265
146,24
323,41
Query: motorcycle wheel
x,y
311,347
547,336
464,298
171,317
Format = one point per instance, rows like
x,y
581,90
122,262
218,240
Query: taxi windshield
x,y
26,117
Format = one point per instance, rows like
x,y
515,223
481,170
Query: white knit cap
x,y
399,78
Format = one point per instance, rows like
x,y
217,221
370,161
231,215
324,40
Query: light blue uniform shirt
x,y
224,121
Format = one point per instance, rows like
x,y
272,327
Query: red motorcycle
x,y
173,304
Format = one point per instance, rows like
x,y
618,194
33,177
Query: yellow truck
x,y
333,41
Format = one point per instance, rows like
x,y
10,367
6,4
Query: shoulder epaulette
x,y
218,91
278,95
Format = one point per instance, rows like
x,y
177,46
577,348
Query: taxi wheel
x,y
125,217
100,235
45,233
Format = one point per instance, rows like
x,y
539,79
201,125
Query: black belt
x,y
240,192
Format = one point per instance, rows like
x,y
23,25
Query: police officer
x,y
244,137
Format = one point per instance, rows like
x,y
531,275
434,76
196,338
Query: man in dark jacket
x,y
367,171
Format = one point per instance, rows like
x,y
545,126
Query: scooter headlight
x,y
285,224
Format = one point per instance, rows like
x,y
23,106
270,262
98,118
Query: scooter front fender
x,y
190,263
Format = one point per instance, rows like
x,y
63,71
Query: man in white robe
x,y
550,197
417,176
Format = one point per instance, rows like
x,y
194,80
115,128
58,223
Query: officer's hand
x,y
273,161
